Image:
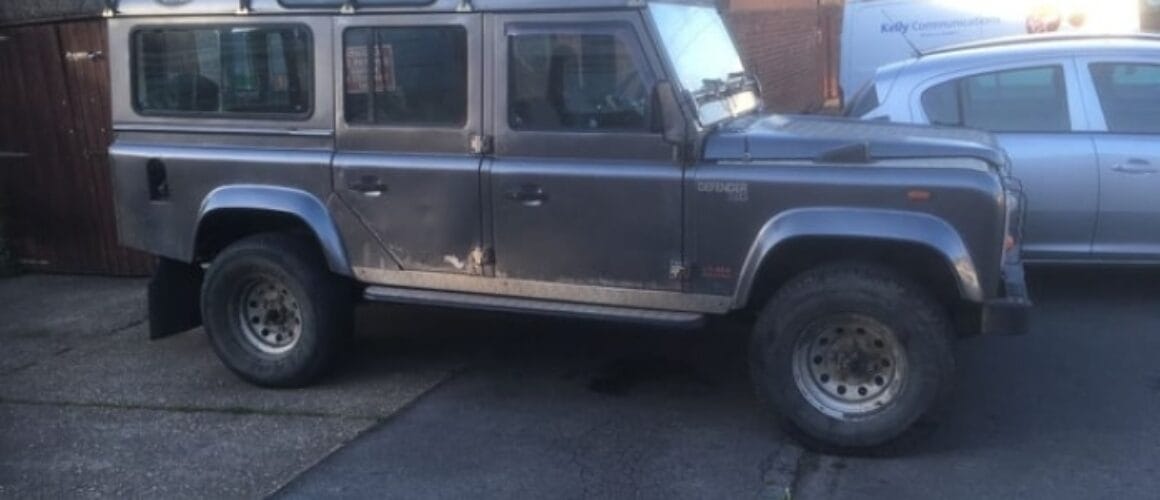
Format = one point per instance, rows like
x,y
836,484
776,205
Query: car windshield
x,y
706,62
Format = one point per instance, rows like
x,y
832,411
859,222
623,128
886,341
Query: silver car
x,y
1079,116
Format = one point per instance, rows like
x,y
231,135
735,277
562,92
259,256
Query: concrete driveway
x,y
89,407
520,407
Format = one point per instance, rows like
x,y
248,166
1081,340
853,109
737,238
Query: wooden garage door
x,y
55,191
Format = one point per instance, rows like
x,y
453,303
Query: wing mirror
x,y
667,117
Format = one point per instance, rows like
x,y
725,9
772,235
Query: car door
x,y
1125,96
1031,108
582,190
409,95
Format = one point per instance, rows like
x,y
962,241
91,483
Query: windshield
x,y
706,62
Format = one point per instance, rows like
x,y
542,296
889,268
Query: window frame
x,y
1073,96
410,138
633,144
309,81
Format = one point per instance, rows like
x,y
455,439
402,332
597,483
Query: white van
x,y
878,32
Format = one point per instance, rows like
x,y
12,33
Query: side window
x,y
233,71
576,80
1022,100
1129,95
942,104
405,76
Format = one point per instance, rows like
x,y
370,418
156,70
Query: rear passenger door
x,y
409,104
582,189
1125,95
1033,109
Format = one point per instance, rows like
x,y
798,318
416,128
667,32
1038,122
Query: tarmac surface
x,y
448,404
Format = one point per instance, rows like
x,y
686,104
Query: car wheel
x,y
851,356
275,314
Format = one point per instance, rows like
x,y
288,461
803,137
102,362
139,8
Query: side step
x,y
533,306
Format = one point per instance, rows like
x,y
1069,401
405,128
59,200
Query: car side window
x,y
405,76
1021,100
223,71
1129,95
576,80
942,104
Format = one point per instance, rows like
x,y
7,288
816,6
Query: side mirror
x,y
667,117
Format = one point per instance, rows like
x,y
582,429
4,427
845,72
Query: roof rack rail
x,y
352,6
1033,39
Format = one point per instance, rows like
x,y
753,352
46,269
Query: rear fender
x,y
301,204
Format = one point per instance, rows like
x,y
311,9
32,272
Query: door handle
x,y
369,186
1135,166
528,195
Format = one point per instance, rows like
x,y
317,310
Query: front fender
x,y
294,202
884,225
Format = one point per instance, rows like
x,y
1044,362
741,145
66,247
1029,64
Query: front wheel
x,y
275,314
852,355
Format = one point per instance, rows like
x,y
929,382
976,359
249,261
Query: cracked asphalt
x,y
447,404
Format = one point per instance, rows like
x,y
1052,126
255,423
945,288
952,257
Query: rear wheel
x,y
275,314
852,355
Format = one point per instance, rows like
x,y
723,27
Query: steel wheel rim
x,y
849,366
269,315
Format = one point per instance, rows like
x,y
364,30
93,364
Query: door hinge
x,y
480,144
482,257
82,55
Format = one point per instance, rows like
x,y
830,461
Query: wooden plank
x,y
29,218
88,83
85,126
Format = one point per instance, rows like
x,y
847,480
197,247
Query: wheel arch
x,y
230,213
921,245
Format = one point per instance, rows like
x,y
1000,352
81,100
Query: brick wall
x,y
792,47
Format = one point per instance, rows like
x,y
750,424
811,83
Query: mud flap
x,y
174,298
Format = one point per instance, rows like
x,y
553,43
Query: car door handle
x,y
368,185
1135,166
528,195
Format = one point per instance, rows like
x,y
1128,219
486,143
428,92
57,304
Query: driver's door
x,y
582,191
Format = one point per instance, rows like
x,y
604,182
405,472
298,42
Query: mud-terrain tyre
x,y
276,316
850,356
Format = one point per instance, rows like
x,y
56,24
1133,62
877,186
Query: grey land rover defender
x,y
591,158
